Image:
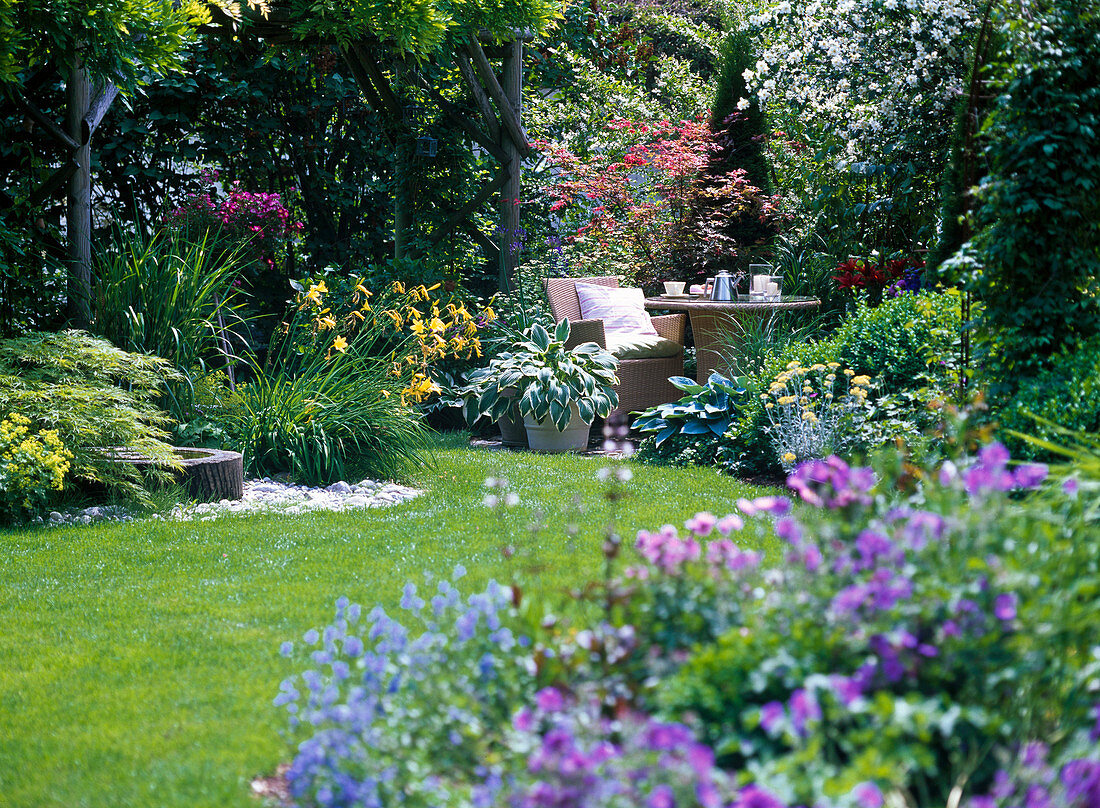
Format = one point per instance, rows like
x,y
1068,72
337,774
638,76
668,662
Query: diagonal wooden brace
x,y
508,115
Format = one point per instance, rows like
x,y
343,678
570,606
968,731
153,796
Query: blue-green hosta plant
x,y
546,380
706,410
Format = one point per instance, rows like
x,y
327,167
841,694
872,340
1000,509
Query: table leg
x,y
717,334
707,326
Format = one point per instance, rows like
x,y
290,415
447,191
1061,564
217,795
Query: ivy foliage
x,y
1035,257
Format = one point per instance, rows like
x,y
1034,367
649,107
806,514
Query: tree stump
x,y
207,474
211,474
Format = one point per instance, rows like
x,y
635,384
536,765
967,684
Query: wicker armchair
x,y
643,383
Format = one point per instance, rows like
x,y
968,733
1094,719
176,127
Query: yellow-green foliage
x,y
95,396
32,464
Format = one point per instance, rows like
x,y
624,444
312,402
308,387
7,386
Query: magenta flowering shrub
x,y
257,223
260,219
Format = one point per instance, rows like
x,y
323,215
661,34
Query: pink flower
x,y
701,524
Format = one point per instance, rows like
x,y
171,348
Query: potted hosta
x,y
558,391
500,404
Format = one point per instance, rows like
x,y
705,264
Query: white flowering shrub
x,y
866,92
871,72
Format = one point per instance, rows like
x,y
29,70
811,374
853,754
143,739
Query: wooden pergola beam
x,y
508,115
98,108
483,139
484,104
43,120
390,103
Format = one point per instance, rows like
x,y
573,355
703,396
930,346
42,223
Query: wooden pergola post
x,y
78,209
511,194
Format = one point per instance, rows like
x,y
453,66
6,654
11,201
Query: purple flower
x,y
730,523
771,715
549,700
1004,606
1035,754
1030,475
994,455
1081,779
661,797
664,737
701,524
789,530
868,795
524,720
1037,797
286,649
707,795
846,688
700,758
756,797
1070,487
353,646
804,709
409,600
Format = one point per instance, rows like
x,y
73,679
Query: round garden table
x,y
712,318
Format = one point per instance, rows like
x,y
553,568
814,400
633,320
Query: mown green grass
x,y
139,660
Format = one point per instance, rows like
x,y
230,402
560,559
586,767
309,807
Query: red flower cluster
x,y
863,273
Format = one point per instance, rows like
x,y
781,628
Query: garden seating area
x,y
530,405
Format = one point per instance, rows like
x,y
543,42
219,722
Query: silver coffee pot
x,y
723,287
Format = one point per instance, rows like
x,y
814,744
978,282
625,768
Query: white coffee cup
x,y
674,287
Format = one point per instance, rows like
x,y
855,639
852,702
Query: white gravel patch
x,y
260,496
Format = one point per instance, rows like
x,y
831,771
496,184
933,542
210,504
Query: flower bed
x,y
915,641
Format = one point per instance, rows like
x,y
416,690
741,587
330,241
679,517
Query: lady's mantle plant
x,y
33,465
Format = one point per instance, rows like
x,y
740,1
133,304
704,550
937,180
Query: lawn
x,y
140,660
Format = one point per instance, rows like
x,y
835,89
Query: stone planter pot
x,y
512,430
543,436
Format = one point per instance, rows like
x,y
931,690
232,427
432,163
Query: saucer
x,y
678,297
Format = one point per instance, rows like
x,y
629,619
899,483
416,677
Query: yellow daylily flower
x,y
340,344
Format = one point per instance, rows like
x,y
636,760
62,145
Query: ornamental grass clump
x,y
339,386
813,411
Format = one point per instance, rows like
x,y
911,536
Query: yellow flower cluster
x,y
30,464
440,330
805,406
